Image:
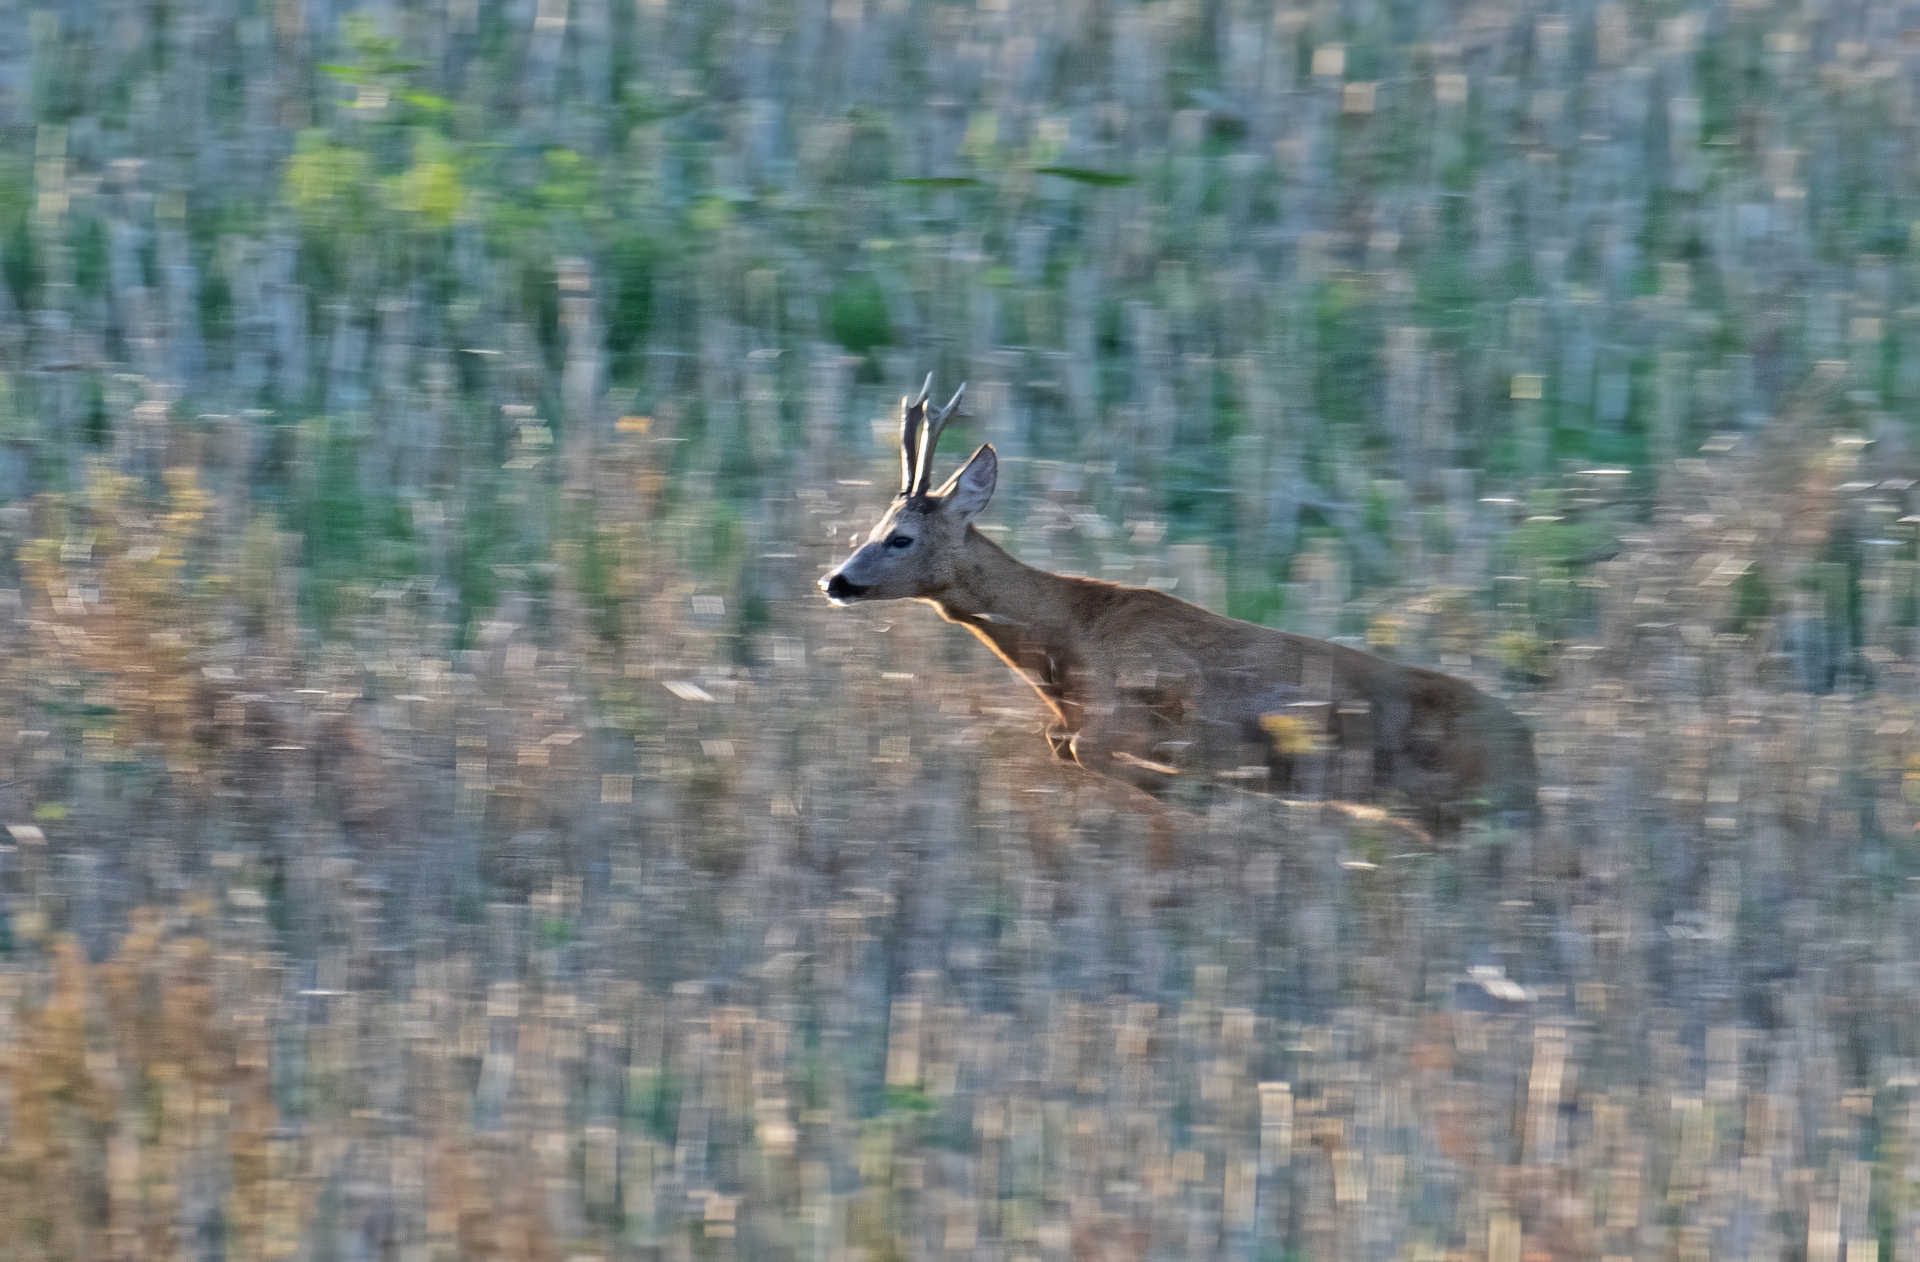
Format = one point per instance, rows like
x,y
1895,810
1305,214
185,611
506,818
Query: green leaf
x,y
429,190
942,181
571,181
913,1099
427,101
1082,175
351,74
326,183
857,314
710,214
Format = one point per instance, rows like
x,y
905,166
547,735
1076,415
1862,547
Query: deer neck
x,y
1025,615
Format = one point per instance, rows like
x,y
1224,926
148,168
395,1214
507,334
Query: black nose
x,y
838,588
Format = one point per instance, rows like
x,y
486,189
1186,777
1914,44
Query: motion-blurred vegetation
x,y
442,821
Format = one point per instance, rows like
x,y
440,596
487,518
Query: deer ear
x,y
968,491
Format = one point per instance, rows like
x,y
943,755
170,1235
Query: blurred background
x,y
444,822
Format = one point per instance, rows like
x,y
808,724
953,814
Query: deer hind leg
x,y
1120,739
1128,735
1122,752
1159,824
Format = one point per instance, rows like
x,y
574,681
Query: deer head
x,y
911,553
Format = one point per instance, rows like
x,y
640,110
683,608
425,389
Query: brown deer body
x,y
1145,687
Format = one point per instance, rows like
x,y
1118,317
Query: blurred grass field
x,y
444,821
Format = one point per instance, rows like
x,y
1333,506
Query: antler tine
x,y
931,440
912,411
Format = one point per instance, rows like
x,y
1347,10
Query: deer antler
x,y
912,412
931,439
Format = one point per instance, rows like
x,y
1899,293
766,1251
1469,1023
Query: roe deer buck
x,y
1144,687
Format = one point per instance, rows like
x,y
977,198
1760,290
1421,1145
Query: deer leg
x,y
1120,735
1136,787
1118,739
1122,752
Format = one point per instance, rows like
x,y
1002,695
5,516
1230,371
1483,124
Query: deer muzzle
x,y
840,590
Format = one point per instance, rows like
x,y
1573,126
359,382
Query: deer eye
x,y
900,541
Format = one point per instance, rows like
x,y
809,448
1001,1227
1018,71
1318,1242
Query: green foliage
x,y
216,304
653,1098
21,265
569,184
16,193
857,313
481,548
390,173
1083,175
99,426
1265,604
354,536
1752,600
912,1100
592,556
429,191
327,184
90,258
632,265
1525,655
1550,540
710,215
1345,377
375,55
540,298
1377,516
